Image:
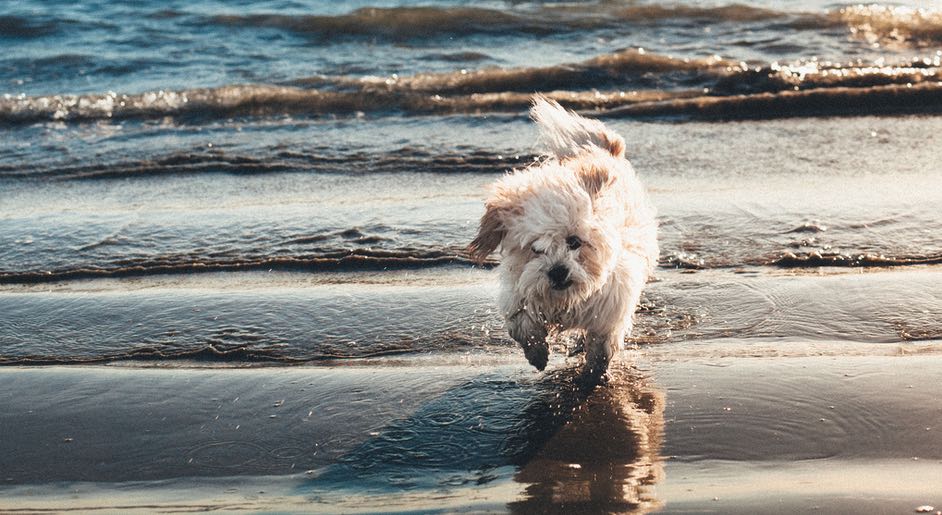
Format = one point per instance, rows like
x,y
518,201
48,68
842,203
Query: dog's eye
x,y
573,242
535,250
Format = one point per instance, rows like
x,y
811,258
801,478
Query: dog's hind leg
x,y
530,333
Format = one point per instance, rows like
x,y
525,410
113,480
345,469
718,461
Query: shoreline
x,y
262,319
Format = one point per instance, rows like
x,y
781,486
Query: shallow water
x,y
204,204
475,436
732,195
451,314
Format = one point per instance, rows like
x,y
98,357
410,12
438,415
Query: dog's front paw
x,y
600,349
591,377
531,334
537,354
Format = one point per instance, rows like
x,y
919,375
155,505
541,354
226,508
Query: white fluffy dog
x,y
577,237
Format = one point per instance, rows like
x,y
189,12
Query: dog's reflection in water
x,y
605,457
573,446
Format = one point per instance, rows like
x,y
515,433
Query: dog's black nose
x,y
558,276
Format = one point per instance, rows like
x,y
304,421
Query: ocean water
x,y
210,185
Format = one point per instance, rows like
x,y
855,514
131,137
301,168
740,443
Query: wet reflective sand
x,y
737,434
605,458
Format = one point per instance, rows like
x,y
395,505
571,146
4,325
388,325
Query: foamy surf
x,y
893,24
654,85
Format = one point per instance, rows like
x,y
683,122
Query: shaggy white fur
x,y
577,237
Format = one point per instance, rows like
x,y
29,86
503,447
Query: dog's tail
x,y
567,133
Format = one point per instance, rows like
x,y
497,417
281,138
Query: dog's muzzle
x,y
559,277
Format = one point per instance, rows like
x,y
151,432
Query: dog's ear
x,y
595,178
490,233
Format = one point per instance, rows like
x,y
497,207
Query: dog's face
x,y
553,224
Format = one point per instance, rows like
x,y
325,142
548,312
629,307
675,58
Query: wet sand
x,y
840,434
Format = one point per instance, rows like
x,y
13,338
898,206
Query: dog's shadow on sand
x,y
571,447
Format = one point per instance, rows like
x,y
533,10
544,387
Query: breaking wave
x,y
489,90
339,260
242,355
369,259
816,259
622,69
891,24
843,101
314,160
639,84
684,261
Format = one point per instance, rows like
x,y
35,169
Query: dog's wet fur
x,y
577,238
